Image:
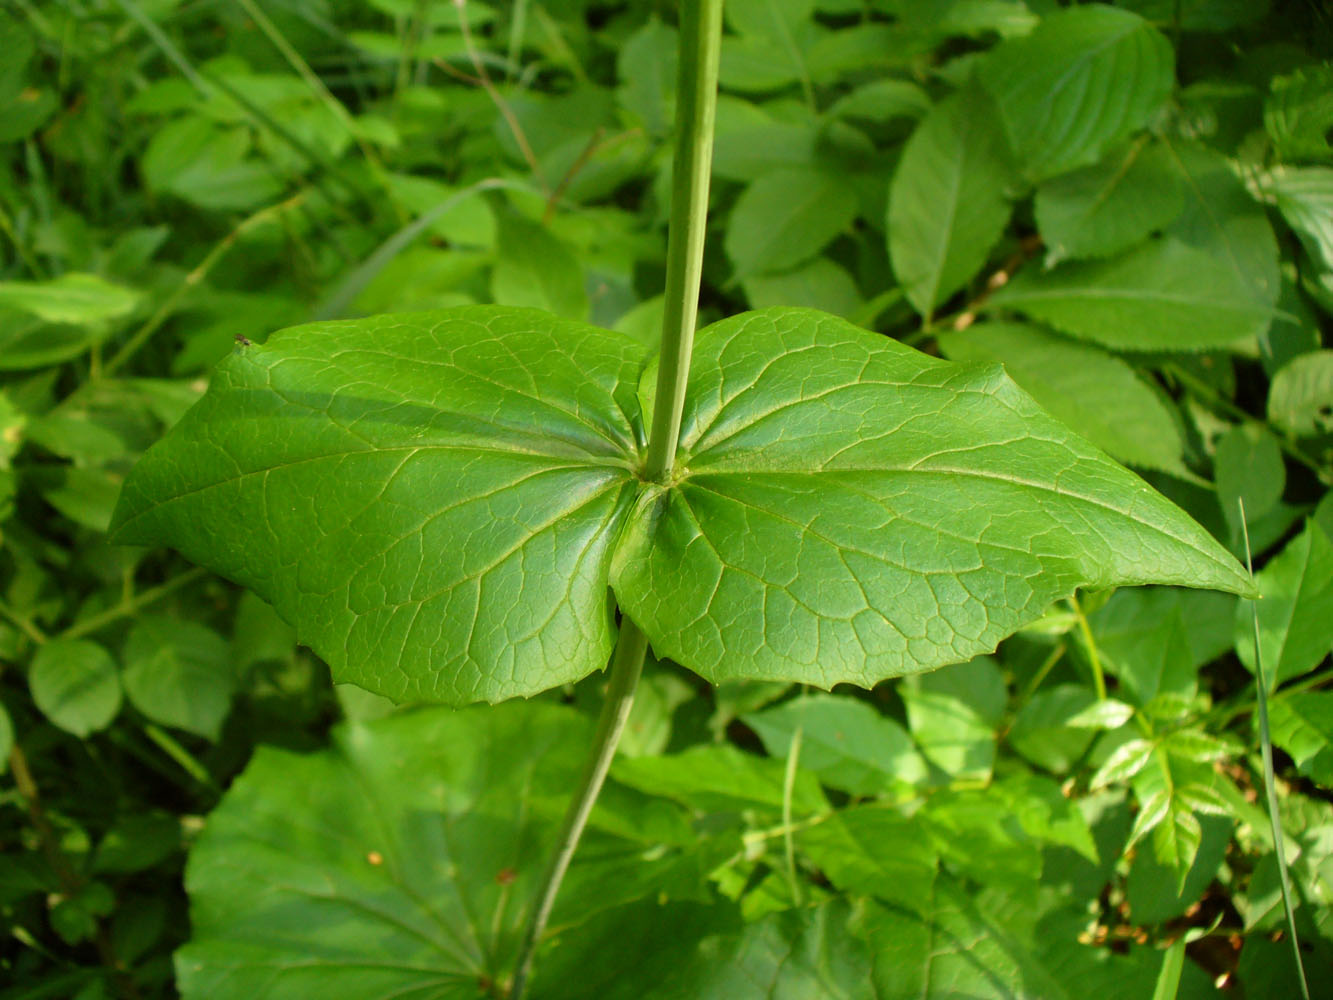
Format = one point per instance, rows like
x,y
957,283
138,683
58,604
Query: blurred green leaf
x,y
179,673
1084,79
76,684
948,201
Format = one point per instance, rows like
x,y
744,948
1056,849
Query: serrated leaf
x,y
1300,399
1128,760
1299,113
830,523
1162,296
844,741
785,217
392,486
1082,386
437,501
1302,725
1106,208
947,203
996,944
1304,196
1222,219
1085,78
1295,610
76,685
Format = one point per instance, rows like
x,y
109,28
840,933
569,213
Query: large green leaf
x,y
1109,206
785,217
430,498
1162,296
399,863
1085,78
847,509
947,203
438,501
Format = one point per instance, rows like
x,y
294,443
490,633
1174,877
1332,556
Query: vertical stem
x,y
696,108
696,97
626,666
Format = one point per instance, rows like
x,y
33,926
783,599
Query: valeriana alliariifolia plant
x,y
440,501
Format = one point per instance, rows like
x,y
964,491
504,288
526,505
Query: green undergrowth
x,y
1130,208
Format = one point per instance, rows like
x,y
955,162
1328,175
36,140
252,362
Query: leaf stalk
x,y
696,104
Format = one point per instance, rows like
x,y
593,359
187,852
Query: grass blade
x,y
1270,784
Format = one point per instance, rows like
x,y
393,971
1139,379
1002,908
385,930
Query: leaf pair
x,y
439,501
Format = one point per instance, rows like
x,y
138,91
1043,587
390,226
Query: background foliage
x,y
1131,207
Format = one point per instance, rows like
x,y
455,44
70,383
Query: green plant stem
x,y
626,666
700,43
1090,644
696,104
192,280
113,614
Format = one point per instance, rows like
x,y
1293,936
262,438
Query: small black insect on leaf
x,y
243,340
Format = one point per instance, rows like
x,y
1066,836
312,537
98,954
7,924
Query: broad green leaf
x,y
1300,400
1248,468
1299,113
847,509
1081,385
437,502
1295,610
998,835
948,200
1304,196
72,298
953,715
786,217
1085,78
430,498
875,850
76,685
399,862
1302,725
657,952
1106,208
1222,219
1153,642
997,944
844,741
1163,296
179,673
535,268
